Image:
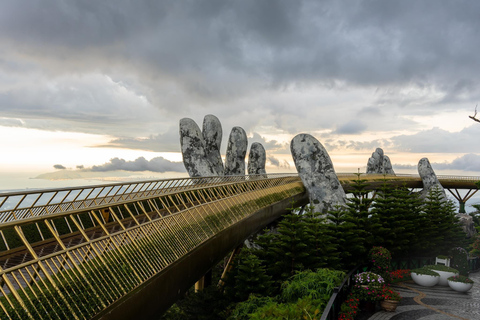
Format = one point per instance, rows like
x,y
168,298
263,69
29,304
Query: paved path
x,y
435,303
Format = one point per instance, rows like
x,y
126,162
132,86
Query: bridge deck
x,y
84,270
104,242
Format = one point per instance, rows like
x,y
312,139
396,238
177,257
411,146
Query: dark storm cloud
x,y
270,145
368,42
157,164
351,127
276,162
167,142
468,162
132,69
439,140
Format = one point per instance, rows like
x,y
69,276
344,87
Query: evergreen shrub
x,y
460,260
381,259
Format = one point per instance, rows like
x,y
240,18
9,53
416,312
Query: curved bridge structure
x,y
122,251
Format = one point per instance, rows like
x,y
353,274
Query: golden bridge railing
x,y
400,176
75,260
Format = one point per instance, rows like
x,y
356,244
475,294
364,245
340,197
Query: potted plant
x,y
369,279
391,299
425,277
460,283
381,259
367,289
444,272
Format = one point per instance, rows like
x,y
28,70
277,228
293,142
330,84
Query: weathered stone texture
x,y
429,179
316,170
466,221
379,163
236,152
193,150
256,159
212,135
387,165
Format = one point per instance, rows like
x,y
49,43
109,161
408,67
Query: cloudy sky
x,y
102,85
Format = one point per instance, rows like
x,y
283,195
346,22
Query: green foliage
x,y
208,304
361,225
305,308
249,277
290,246
395,210
460,260
476,216
346,236
460,278
440,228
304,294
440,267
475,247
321,247
425,271
243,310
349,308
317,285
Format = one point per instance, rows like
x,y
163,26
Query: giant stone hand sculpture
x,y
379,163
429,179
236,152
316,170
201,149
212,134
193,150
256,159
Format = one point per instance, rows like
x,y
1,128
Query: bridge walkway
x,y
79,252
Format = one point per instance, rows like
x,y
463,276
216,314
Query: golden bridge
x,y
130,250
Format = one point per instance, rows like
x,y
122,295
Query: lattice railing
x,y
72,264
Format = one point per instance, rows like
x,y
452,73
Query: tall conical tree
x,y
396,210
441,230
249,276
358,211
290,246
346,237
322,250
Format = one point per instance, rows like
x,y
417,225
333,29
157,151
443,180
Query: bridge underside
x,y
171,283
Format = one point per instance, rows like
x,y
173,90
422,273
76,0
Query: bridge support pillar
x,y
461,206
462,200
200,284
204,281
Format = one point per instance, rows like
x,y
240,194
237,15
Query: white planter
x,y
425,280
444,275
460,286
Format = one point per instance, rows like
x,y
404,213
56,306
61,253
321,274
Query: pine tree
x,y
290,246
360,222
441,230
250,276
322,250
395,209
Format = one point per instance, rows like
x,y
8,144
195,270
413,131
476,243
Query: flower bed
x,y
400,275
